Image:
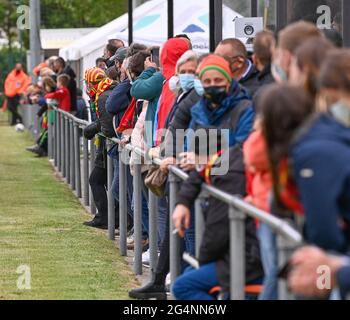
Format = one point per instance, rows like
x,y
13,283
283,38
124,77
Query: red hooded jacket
x,y
171,52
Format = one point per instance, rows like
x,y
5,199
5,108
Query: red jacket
x,y
171,52
63,98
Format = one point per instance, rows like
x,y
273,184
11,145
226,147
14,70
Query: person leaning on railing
x,y
99,88
214,254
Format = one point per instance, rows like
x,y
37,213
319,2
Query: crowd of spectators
x,y
277,120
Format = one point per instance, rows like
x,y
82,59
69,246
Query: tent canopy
x,y
150,27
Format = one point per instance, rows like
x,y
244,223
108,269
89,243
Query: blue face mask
x,y
341,112
198,87
187,81
278,73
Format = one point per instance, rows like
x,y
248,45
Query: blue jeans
x,y
145,215
115,186
190,236
195,284
163,212
269,257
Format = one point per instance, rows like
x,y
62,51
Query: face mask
x,y
198,87
187,81
174,84
278,73
341,112
215,94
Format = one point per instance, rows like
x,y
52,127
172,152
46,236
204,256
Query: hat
x,y
120,54
215,62
94,75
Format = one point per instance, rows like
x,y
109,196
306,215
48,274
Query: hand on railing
x,y
188,161
164,166
181,218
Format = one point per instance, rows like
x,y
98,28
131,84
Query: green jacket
x,y
148,87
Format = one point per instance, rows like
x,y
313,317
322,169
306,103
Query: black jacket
x,y
105,118
215,245
72,86
264,79
250,81
179,118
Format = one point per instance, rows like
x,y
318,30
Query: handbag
x,y
156,180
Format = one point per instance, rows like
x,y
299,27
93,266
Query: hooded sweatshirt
x,y
171,52
320,158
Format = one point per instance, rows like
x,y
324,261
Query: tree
x,y
8,16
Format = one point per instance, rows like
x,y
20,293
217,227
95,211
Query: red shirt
x,y
63,98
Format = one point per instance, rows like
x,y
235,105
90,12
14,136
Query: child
x,y
62,95
259,187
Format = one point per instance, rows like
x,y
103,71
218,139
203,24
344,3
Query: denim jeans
x,y
145,215
269,257
163,212
115,186
195,284
190,236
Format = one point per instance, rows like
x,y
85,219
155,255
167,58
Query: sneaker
x,y
131,245
149,291
33,149
97,223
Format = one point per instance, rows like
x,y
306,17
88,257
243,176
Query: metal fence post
x,y
86,171
237,254
123,211
175,244
199,222
111,201
63,146
137,218
67,151
77,160
58,146
92,166
153,239
54,140
49,135
71,154
285,250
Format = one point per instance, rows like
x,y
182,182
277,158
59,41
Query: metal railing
x,y
66,150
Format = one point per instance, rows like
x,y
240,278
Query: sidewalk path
x,y
41,228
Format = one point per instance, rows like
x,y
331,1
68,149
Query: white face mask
x,y
174,84
341,112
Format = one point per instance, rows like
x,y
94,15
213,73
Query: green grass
x,y
41,226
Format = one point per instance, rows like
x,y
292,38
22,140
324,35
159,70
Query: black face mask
x,y
215,95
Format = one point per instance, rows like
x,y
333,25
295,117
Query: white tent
x,y
150,28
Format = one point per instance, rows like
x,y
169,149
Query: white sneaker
x,y
130,239
146,259
168,280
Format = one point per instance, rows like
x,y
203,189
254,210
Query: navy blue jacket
x,y
321,164
343,280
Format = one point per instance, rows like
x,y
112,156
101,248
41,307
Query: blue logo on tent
x,y
193,28
204,19
146,21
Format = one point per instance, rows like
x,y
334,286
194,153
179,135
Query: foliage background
x,y
54,14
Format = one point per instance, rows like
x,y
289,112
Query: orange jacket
x,y
259,180
16,83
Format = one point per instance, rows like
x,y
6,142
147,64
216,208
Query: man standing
x,y
15,84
